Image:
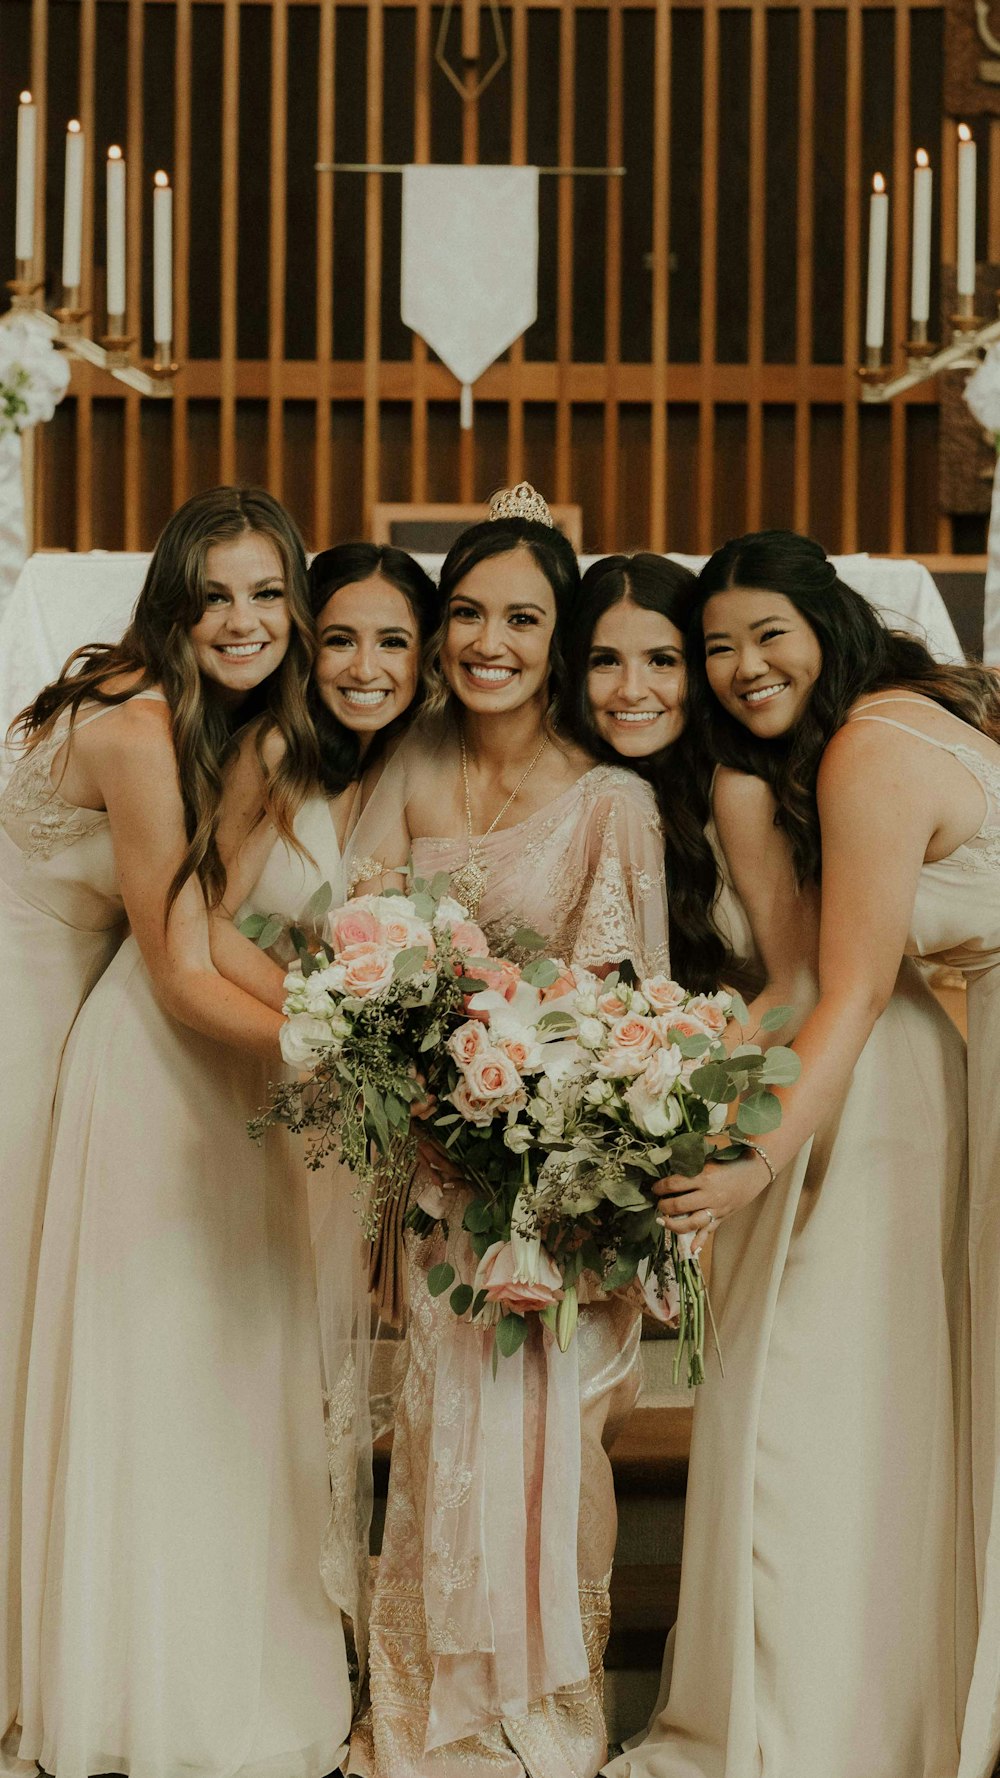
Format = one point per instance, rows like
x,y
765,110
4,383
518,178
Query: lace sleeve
x,y
623,914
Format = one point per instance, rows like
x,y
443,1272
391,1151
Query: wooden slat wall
x,y
640,437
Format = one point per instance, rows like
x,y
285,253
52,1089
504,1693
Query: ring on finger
x,y
711,1218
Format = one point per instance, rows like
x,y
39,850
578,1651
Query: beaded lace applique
x,y
49,820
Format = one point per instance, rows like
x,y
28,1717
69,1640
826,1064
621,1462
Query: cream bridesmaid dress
x,y
61,920
177,1483
825,1629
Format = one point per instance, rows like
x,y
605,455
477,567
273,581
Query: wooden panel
x,y
623,404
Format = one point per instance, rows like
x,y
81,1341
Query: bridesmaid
x,y
82,835
374,609
838,1446
491,1605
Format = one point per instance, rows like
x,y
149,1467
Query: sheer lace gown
x,y
175,1620
587,872
61,920
827,1615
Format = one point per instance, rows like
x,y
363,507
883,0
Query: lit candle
x,y
966,256
24,223
923,188
116,232
878,248
163,253
73,207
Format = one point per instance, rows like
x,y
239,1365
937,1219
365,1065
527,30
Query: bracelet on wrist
x,y
763,1155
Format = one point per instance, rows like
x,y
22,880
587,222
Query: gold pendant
x,y
469,883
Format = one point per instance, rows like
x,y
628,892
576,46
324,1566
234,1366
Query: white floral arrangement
x,y
982,393
34,374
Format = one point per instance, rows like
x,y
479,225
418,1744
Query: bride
x,y
493,1660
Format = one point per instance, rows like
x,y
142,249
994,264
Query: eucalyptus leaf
x,y
319,904
310,964
461,1298
477,1218
440,1278
622,1272
439,885
252,926
478,1302
298,938
759,1112
739,1010
781,1067
776,1017
541,973
687,1154
689,1047
526,939
407,963
271,932
713,1082
624,1194
424,906
511,1333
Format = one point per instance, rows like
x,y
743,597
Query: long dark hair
x,y
860,655
553,554
335,761
679,774
157,645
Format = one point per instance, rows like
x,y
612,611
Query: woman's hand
x,y
438,1163
697,1206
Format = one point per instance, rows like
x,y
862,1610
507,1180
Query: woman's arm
x,y
245,839
783,917
877,819
136,769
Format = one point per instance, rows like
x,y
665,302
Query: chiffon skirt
x,y
177,1484
827,1608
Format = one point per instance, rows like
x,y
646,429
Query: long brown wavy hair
x,y
681,774
157,645
860,655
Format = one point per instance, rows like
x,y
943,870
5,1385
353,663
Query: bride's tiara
x,y
521,502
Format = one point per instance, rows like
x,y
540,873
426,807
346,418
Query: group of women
x,y
742,779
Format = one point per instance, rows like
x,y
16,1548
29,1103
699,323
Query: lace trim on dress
x,y
29,797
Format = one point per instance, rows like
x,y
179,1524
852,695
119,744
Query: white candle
x,y
966,256
163,256
72,258
116,232
878,248
24,223
920,285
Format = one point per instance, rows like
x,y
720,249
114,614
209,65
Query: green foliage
x,y
461,1298
511,1333
781,1067
776,1017
440,1278
759,1112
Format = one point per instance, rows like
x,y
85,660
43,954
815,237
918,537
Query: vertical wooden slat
x,y
277,248
852,272
373,262
709,254
658,516
518,156
948,189
993,211
421,154
182,244
324,275
755,326
899,271
84,452
470,153
564,261
136,192
804,264
613,275
35,478
229,228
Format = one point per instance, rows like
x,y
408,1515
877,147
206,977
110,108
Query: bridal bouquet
x,y
556,1097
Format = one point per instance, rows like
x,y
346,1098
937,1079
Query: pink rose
x,y
612,1006
353,926
367,969
492,1076
470,939
516,1051
634,1033
663,994
467,1042
400,934
708,1012
682,1024
474,1111
502,977
496,1274
564,984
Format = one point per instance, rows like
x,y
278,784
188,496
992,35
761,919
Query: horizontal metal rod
x,y
392,167
929,367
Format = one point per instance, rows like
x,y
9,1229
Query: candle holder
x,y
163,364
71,315
24,286
873,372
116,343
918,346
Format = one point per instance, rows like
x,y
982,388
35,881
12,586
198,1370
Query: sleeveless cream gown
x,y
61,920
827,1615
178,1489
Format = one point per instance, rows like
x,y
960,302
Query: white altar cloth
x,y
64,600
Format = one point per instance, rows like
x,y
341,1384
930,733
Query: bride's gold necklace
x,y
469,881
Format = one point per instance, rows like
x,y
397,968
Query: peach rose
x,y
708,1012
612,1006
634,1033
467,1042
470,938
400,934
367,969
564,984
672,1024
497,1275
517,1051
663,994
474,1111
353,926
501,977
491,1076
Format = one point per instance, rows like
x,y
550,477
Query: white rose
x,y
653,1114
518,1138
598,1092
302,1038
590,1032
